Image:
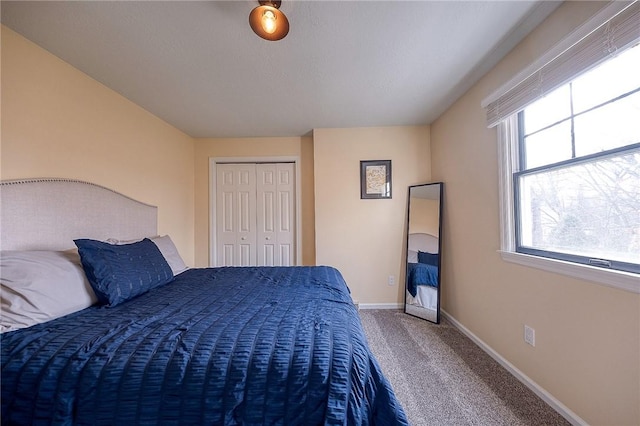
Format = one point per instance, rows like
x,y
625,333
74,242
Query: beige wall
x,y
301,147
58,122
365,239
587,352
424,216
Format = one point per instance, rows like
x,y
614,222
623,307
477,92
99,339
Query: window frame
x,y
508,164
520,248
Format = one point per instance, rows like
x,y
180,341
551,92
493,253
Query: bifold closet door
x,y
255,214
236,215
276,224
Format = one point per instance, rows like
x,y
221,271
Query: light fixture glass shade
x,y
268,22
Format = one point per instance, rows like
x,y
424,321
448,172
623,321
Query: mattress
x,y
426,297
254,345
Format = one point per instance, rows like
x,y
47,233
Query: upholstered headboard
x,y
48,214
423,242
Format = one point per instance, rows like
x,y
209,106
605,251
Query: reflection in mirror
x,y
424,232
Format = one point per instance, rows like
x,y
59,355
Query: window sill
x,y
617,279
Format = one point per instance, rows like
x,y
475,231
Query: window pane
x,y
548,146
548,110
622,127
588,209
608,81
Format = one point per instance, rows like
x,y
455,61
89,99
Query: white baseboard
x,y
380,305
562,409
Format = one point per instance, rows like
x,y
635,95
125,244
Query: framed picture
x,y
375,179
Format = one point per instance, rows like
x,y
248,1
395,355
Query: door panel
x,y
227,254
268,252
285,212
285,254
268,210
244,212
285,218
266,194
235,218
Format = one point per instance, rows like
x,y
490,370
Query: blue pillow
x,y
120,272
428,258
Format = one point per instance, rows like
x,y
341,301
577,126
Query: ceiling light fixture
x,y
268,22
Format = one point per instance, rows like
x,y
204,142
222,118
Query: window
x,y
577,184
569,153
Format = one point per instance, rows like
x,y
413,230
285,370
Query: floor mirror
x,y
424,236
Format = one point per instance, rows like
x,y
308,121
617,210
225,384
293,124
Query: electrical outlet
x,y
529,335
392,280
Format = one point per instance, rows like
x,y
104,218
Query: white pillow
x,y
166,247
170,253
38,286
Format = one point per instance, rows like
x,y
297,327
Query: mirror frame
x,y
439,280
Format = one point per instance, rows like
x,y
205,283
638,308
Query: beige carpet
x,y
442,378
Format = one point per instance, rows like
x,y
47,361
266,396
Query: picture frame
x,y
375,179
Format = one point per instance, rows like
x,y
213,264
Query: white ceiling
x,y
198,65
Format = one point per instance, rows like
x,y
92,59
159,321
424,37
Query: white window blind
x,y
612,30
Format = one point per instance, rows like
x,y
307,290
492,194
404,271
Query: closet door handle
x,y
243,238
267,238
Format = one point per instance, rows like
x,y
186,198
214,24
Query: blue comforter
x,y
421,274
215,346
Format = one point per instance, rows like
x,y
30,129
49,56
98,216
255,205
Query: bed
x,y
422,274
160,343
